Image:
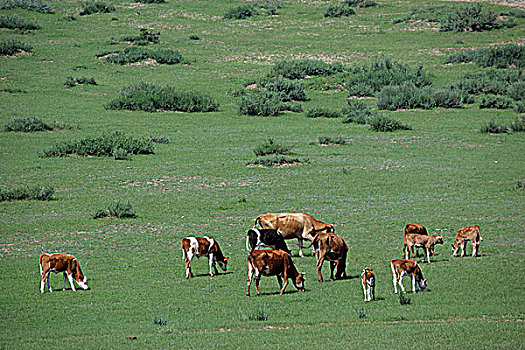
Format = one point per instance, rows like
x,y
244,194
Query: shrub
x,y
496,56
360,3
356,112
161,321
327,140
288,90
259,104
409,96
167,56
321,112
137,54
361,313
494,101
159,139
10,47
151,1
468,18
42,193
299,69
144,38
72,81
240,12
516,91
151,97
12,21
28,124
268,7
339,10
505,82
381,122
493,128
121,154
117,210
31,5
518,124
90,7
277,160
104,145
519,107
270,147
403,299
194,37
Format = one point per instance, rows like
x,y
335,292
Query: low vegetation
x,y
468,18
137,54
28,124
145,37
72,81
328,140
17,193
322,112
12,21
11,47
383,123
493,128
277,161
116,209
356,111
90,7
339,10
494,101
409,96
361,3
31,5
240,12
503,56
300,68
270,147
518,124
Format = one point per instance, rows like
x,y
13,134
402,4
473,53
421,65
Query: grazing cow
x,y
420,241
273,263
415,228
331,247
294,225
402,267
203,246
265,237
465,234
65,263
368,280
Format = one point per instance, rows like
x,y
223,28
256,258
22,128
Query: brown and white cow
x,y
65,263
368,280
414,228
420,241
273,263
203,246
402,267
331,247
470,233
294,225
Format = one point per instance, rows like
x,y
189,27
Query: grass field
x,y
443,174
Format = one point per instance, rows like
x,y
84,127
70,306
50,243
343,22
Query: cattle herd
x,y
270,231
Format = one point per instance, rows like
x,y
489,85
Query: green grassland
x,y
444,174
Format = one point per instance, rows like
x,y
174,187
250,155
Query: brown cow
x,y
65,263
273,263
368,280
331,247
420,241
294,225
415,228
203,246
402,267
465,234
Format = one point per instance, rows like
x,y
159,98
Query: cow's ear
x,y
226,258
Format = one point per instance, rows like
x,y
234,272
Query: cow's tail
x,y
40,264
316,237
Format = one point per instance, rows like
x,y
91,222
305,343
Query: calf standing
x,y
203,246
331,247
65,263
265,237
369,283
402,267
420,241
272,263
465,234
414,228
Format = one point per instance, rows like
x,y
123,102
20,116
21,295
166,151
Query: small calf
x,y
65,263
415,228
420,241
369,283
402,267
465,234
203,246
265,237
331,247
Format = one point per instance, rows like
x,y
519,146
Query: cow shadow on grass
x,y
278,292
207,274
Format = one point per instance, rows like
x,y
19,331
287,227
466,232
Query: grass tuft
x,y
42,193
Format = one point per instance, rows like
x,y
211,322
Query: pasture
x,y
444,174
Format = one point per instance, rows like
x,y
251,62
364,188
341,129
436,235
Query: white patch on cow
x,y
70,278
83,284
194,248
211,241
299,285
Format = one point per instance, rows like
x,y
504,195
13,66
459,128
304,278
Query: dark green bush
x,y
29,124
472,18
11,47
151,97
268,7
259,104
117,210
270,147
137,54
145,37
493,128
12,21
498,82
240,12
360,3
356,111
159,139
410,96
299,69
494,101
339,10
516,91
42,193
327,140
90,7
31,5
518,124
194,37
321,112
150,1
167,56
519,107
510,55
72,81
384,123
277,160
289,90
104,145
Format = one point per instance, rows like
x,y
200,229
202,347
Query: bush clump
x,y
270,147
471,18
288,90
339,10
104,145
72,81
356,112
493,128
159,139
360,3
152,97
410,96
240,12
11,47
494,101
327,140
12,21
137,54
518,124
30,5
90,7
259,104
384,123
17,193
321,112
117,210
505,56
498,82
144,38
299,69
28,124
276,161
151,1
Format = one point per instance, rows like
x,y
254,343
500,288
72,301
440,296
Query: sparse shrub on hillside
x,y
339,10
327,140
270,147
117,210
150,1
194,37
104,145
505,56
259,104
516,91
494,101
360,3
321,112
518,124
410,96
167,56
499,82
268,7
12,21
138,54
151,97
29,124
299,69
472,18
289,90
493,128
159,139
90,7
11,47
519,107
356,111
16,193
277,160
31,5
240,12
72,81
381,122
145,37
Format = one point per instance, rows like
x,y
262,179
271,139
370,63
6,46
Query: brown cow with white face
x,y
465,234
294,225
203,246
402,267
273,263
65,263
331,247
420,241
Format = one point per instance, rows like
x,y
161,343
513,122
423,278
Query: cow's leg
x,y
463,248
280,280
400,281
373,293
300,243
414,286
45,274
187,262
476,249
257,280
284,286
249,279
70,277
64,281
364,290
333,266
394,280
212,264
47,279
427,254
319,268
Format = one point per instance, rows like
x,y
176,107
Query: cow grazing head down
x,y
65,263
298,282
223,263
